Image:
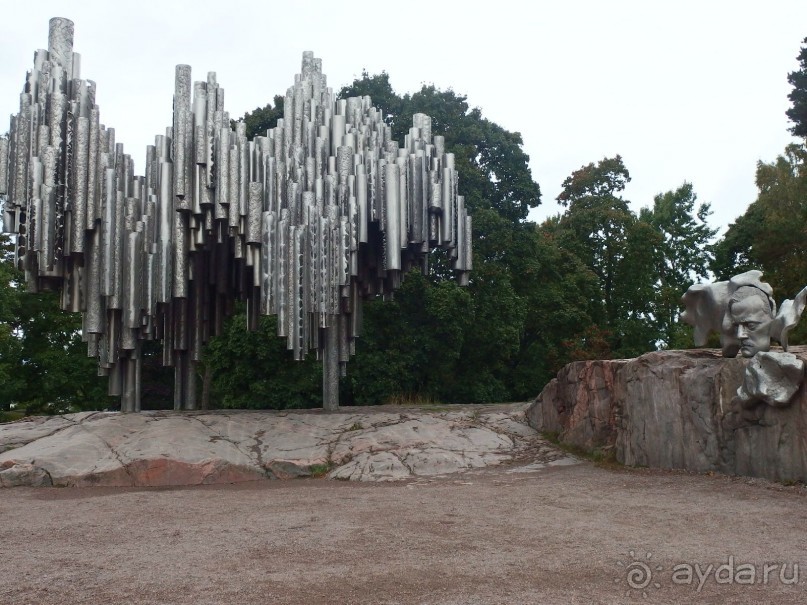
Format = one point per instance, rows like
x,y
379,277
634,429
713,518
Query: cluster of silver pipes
x,y
304,223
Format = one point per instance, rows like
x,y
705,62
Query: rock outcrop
x,y
191,448
676,409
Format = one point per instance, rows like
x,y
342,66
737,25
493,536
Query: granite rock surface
x,y
678,409
192,448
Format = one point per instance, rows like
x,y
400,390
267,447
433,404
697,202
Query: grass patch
x,y
11,416
356,426
601,456
320,470
415,400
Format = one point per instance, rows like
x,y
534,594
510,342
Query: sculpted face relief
x,y
743,312
751,318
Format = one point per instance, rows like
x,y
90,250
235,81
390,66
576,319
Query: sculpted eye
x,y
752,325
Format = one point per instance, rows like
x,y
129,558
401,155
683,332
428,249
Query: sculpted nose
x,y
741,331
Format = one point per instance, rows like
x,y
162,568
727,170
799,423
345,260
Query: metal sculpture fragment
x,y
743,311
304,223
772,378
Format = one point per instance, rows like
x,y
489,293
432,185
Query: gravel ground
x,y
563,534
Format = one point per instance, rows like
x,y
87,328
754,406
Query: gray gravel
x,y
555,534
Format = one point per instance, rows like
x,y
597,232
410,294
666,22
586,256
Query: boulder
x,y
682,409
578,404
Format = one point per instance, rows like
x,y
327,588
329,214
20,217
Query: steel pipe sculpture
x,y
306,222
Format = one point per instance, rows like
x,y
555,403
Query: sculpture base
x,y
676,409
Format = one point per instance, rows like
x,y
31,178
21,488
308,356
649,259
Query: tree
x,y
43,362
643,264
798,96
683,256
770,235
411,345
557,289
255,370
492,166
597,223
263,118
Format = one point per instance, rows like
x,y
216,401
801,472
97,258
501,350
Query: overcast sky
x,y
685,91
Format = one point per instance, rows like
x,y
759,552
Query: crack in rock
x,y
221,436
112,450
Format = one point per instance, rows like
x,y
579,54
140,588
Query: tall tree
x,y
558,290
643,264
597,221
770,235
491,164
798,96
255,369
683,255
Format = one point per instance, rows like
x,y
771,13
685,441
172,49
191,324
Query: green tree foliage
x,y
798,96
770,235
682,256
557,289
599,227
411,345
43,363
598,221
642,264
263,118
255,370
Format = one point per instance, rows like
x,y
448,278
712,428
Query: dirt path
x,y
555,535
